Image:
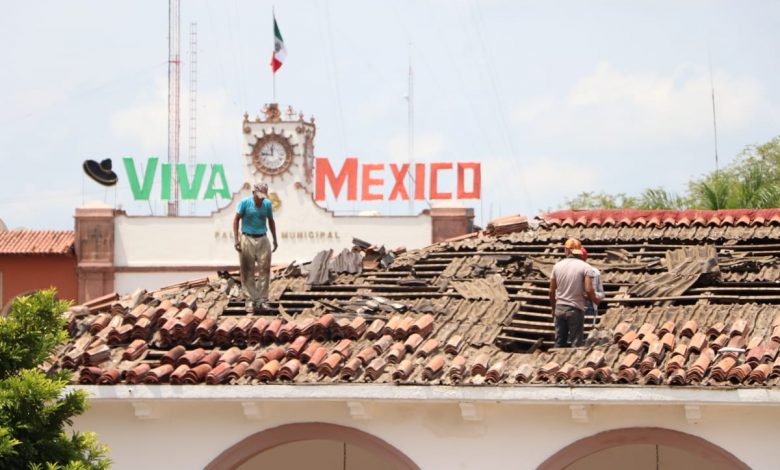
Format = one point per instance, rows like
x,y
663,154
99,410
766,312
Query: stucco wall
x,y
23,273
208,241
191,433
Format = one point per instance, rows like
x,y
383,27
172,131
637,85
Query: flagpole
x,y
273,72
277,58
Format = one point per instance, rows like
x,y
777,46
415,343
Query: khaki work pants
x,y
255,254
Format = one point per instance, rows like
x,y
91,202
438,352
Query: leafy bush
x,y
35,410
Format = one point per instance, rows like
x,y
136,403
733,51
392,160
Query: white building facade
x,y
433,427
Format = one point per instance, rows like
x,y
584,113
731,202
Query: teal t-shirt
x,y
253,218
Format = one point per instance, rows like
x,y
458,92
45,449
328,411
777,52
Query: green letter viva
x,y
140,191
190,190
217,171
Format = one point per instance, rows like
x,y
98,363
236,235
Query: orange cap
x,y
573,245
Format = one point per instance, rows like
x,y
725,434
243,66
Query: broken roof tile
x,y
433,367
457,369
316,358
296,347
627,375
173,354
269,371
603,375
428,348
376,368
290,369
403,371
653,377
738,374
480,364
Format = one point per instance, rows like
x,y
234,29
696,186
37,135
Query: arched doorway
x,y
342,447
640,448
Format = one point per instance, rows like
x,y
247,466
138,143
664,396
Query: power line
x,y
123,77
476,19
335,70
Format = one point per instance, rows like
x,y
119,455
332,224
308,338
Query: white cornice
x,y
526,395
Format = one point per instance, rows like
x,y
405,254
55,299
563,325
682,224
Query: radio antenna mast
x,y
714,118
174,62
193,130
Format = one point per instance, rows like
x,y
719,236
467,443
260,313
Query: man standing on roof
x,y
253,246
569,286
598,287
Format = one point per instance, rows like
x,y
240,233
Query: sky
x,y
553,98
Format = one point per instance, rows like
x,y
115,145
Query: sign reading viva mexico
x,y
370,175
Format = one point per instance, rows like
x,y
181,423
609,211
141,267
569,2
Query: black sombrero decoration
x,y
100,172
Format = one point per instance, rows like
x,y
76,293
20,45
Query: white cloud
x,y
39,101
146,123
614,109
427,148
542,176
377,107
26,212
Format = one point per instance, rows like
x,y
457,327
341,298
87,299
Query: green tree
x,y
714,191
591,200
35,410
752,181
659,198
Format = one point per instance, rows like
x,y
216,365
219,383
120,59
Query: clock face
x,y
272,155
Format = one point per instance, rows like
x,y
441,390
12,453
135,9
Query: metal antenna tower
x,y
193,130
174,62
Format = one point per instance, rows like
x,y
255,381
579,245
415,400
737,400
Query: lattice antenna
x,y
193,130
174,62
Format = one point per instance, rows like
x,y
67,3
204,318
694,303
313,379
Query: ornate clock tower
x,y
279,150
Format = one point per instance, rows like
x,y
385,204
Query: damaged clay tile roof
x,y
687,305
36,242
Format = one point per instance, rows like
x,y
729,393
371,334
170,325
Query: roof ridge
x,y
662,217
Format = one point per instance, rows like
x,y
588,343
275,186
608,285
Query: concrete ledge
x,y
525,395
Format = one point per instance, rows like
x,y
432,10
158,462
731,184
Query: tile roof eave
x,y
524,394
70,253
37,242
639,218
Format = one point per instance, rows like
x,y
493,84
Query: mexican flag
x,y
280,53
